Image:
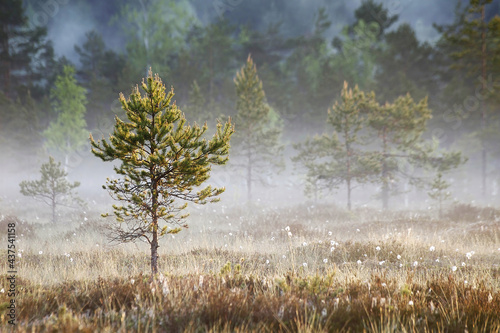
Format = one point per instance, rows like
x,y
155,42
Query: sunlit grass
x,y
300,268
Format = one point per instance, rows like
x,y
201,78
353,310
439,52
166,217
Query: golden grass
x,y
234,271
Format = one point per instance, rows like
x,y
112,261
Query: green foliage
x,y
156,31
256,141
25,53
355,60
338,159
21,124
53,188
472,45
197,107
405,65
439,191
67,133
398,128
163,160
370,11
100,72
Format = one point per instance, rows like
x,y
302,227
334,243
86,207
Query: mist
x,y
250,166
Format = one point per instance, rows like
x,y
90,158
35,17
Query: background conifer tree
x,y
472,44
257,139
163,160
53,188
197,107
67,133
331,160
398,127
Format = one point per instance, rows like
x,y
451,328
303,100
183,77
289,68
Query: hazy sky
x,y
69,20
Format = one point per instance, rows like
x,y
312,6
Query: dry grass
x,y
234,271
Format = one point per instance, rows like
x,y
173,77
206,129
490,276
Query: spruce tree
x,y
67,133
332,160
53,188
163,160
257,146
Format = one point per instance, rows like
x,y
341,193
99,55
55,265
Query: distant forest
x,y
197,47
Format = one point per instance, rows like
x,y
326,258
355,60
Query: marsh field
x,y
302,268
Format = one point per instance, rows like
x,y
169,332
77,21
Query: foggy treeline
x,y
304,55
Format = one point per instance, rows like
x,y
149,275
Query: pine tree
x,y
398,126
355,59
99,72
439,192
405,65
474,47
156,31
67,134
338,159
53,188
369,12
256,141
442,163
21,124
197,107
163,160
25,52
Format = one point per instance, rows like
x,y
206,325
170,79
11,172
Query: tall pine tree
x,y
474,47
258,129
67,133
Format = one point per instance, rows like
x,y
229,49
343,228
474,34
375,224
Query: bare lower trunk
x,y
440,208
54,217
154,251
348,194
249,178
483,108
385,177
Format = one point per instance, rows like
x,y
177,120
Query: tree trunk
x,y
154,250
483,108
249,177
7,60
54,217
385,180
385,187
440,207
154,240
349,194
348,180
